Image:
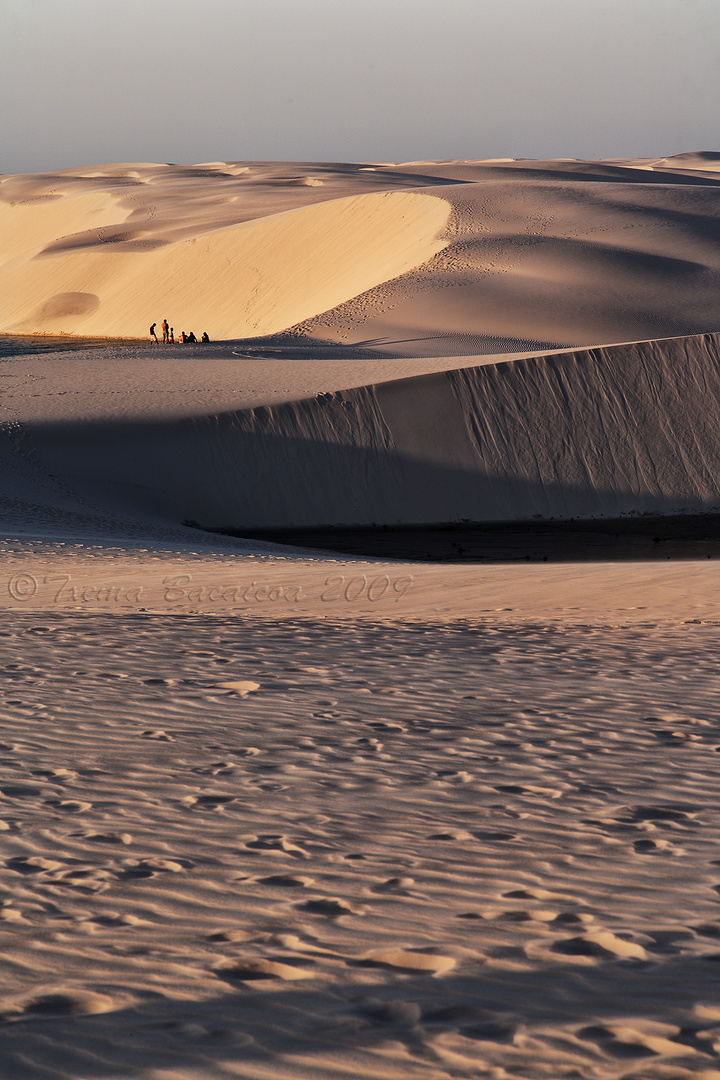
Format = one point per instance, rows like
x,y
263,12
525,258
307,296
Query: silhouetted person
x,y
153,335
165,329
205,337
191,337
183,337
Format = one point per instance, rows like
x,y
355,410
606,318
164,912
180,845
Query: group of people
x,y
168,335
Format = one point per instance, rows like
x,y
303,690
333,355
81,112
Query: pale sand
x,y
467,812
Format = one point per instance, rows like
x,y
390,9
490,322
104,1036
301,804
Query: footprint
x,y
287,881
572,918
159,735
652,847
148,868
330,907
251,969
277,843
9,914
106,838
230,935
490,1031
295,944
452,1015
605,1038
711,930
656,813
372,745
218,768
241,687
169,866
32,864
210,801
409,960
60,775
665,941
135,873
537,894
20,791
117,919
456,834
90,879
69,1003
396,885
600,943
400,1013
493,836
645,1038
69,806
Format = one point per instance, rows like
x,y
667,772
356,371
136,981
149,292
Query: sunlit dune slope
x,y
77,262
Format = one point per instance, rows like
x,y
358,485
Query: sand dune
x,y
600,433
553,253
278,813
276,271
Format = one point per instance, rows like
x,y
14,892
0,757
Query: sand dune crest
x,y
241,280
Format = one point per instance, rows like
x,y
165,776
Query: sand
x,y
465,810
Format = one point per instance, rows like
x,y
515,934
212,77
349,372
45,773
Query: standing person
x,y
172,336
153,335
165,329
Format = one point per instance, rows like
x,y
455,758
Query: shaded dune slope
x,y
531,261
602,432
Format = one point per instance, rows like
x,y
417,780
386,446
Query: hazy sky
x,y
96,81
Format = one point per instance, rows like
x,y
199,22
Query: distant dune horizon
x,y
561,253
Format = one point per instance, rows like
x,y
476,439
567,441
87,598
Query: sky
x,y
90,82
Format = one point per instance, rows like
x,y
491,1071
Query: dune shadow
x,y
607,434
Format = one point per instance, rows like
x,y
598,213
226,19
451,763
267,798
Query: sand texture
x,y
328,849
466,810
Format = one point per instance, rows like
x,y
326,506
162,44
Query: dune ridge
x,y
591,433
275,271
514,250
